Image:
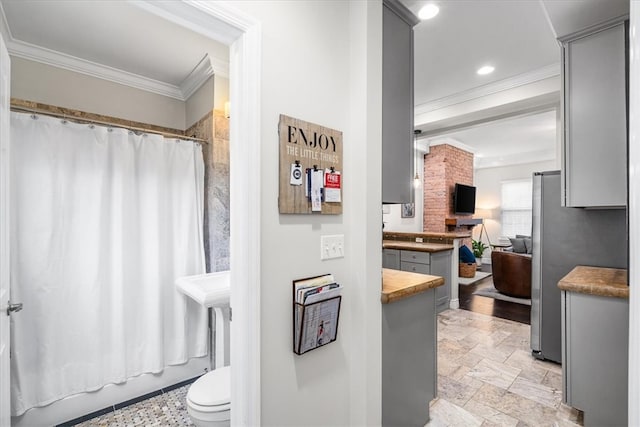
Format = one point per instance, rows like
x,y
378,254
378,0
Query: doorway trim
x,y
222,22
633,213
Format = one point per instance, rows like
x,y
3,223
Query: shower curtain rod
x,y
104,123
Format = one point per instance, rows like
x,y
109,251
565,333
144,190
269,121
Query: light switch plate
x,y
332,246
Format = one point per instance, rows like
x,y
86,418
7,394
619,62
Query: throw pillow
x,y
527,242
518,245
466,255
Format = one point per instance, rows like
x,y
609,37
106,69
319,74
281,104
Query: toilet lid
x,y
212,389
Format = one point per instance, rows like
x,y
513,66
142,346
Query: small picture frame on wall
x,y
407,210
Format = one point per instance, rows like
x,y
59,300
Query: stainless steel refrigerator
x,y
563,238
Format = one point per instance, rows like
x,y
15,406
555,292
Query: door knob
x,y
14,307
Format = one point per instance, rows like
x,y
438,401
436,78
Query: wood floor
x,y
503,309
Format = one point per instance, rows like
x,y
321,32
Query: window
x,y
516,207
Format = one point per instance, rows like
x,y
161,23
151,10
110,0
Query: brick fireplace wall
x,y
444,166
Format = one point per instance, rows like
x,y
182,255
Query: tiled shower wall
x,y
214,127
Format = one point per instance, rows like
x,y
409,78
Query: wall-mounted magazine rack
x,y
316,311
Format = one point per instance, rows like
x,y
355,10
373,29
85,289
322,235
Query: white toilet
x,y
209,399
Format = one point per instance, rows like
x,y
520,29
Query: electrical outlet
x,y
332,246
419,240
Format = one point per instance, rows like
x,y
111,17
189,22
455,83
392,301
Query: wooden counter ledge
x,y
397,285
400,235
606,282
415,246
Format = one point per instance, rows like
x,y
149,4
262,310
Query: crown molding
x,y
199,75
490,89
205,68
32,52
196,77
220,67
452,142
402,11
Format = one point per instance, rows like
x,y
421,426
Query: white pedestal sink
x,y
212,291
209,290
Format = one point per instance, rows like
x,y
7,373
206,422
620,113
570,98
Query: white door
x,y
5,418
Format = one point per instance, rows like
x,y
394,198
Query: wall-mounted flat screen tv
x,y
464,199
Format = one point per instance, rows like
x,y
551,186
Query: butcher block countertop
x,y
605,282
415,246
400,235
397,285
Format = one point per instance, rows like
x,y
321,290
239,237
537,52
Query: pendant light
x,y
416,179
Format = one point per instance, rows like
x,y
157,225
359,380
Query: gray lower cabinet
x,y
434,263
409,358
595,344
595,117
441,266
391,259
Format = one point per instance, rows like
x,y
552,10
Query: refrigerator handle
x,y
536,263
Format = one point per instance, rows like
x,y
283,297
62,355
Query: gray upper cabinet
x,y
595,117
397,103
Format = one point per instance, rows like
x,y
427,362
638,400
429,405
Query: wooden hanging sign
x,y
311,180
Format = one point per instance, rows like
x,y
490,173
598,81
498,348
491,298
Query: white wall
x,y
33,81
488,183
487,180
199,103
321,62
221,92
364,156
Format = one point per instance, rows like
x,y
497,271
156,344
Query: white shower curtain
x,y
103,222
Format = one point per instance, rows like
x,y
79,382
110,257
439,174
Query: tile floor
x,y
166,409
486,377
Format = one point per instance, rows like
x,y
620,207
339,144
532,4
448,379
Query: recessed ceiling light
x,y
428,11
487,69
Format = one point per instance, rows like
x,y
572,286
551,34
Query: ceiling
x,y
123,42
123,38
513,36
518,38
524,139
